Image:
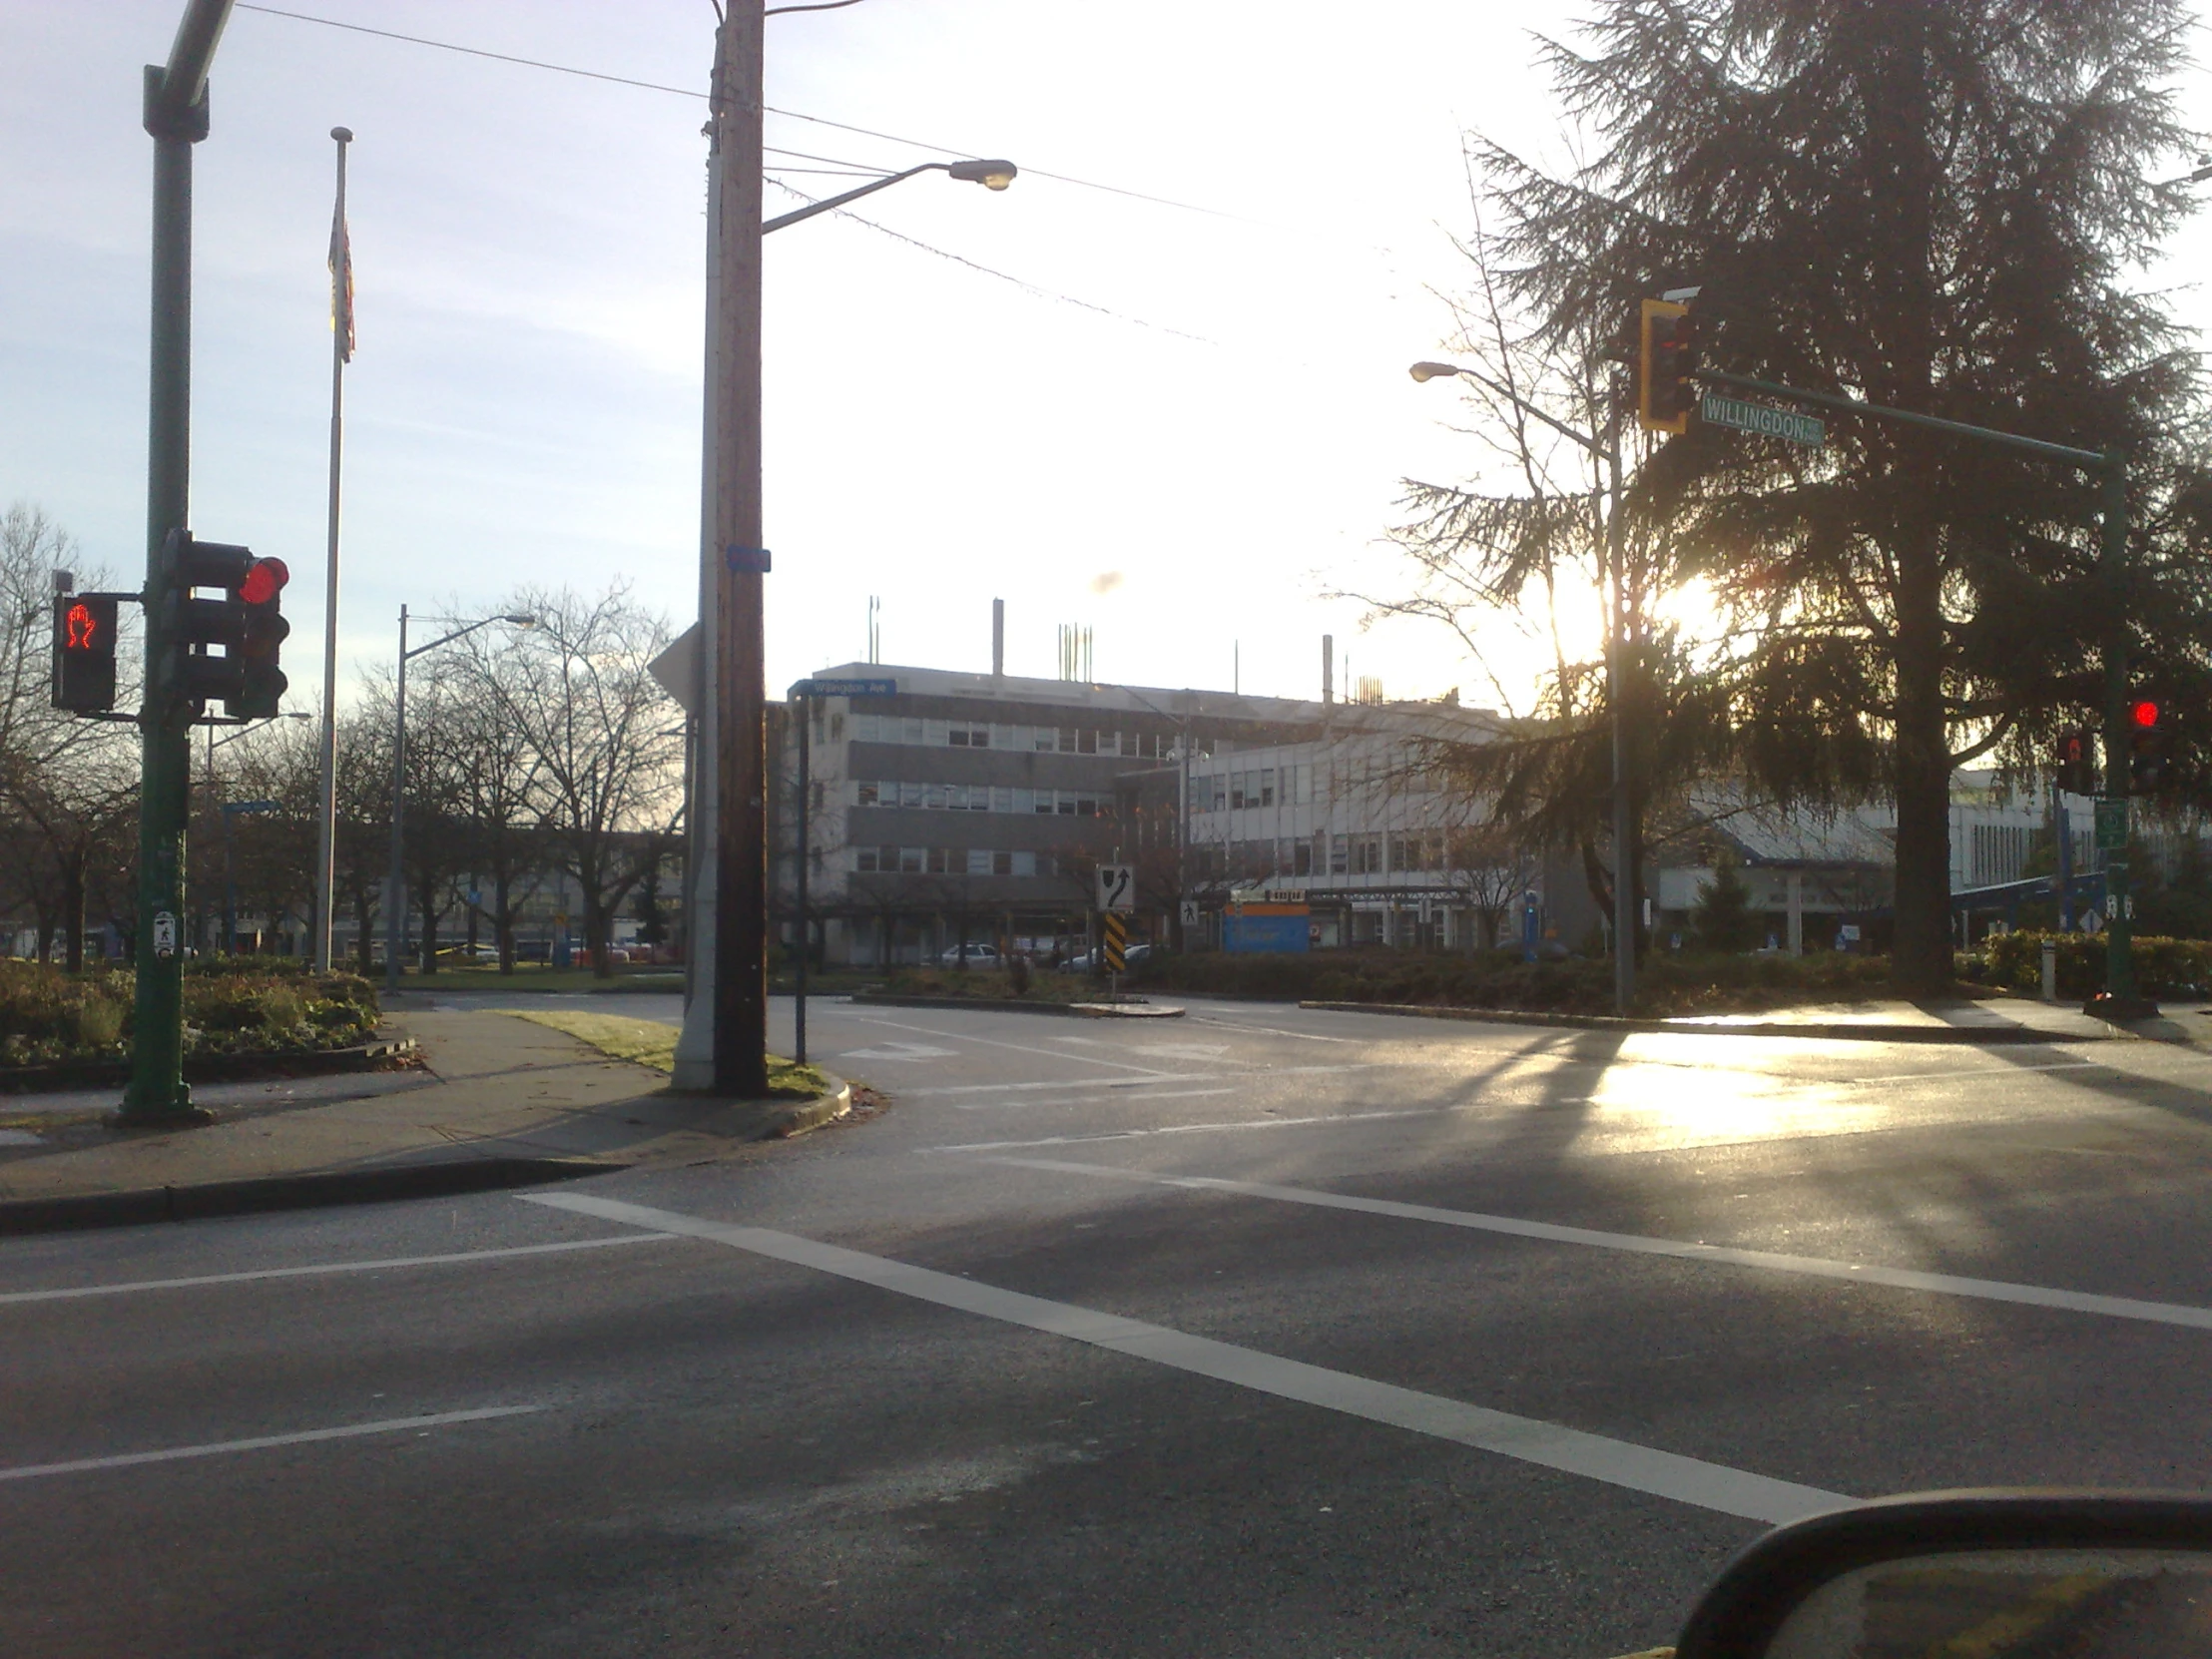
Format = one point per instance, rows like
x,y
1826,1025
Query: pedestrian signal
x,y
84,654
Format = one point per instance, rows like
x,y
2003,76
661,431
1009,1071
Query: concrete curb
x,y
1826,1030
321,1189
1008,1006
260,1194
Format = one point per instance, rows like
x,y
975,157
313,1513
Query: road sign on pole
x,y
1766,421
1117,887
1116,952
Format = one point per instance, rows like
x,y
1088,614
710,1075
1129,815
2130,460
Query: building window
x,y
1339,855
864,795
1024,864
1002,863
1302,858
913,858
978,861
1366,854
939,860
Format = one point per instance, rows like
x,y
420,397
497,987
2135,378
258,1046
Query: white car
x,y
978,956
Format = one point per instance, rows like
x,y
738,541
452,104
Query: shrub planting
x,y
48,1016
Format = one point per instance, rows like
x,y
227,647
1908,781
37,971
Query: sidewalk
x,y
1996,1021
502,1102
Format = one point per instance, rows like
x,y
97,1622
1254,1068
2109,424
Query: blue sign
x,y
1253,935
846,687
754,559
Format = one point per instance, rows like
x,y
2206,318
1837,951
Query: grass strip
x,y
648,1043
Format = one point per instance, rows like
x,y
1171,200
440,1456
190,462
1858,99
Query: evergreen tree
x,y
1933,204
1723,919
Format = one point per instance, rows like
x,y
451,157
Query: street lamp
x,y
394,899
1625,914
993,174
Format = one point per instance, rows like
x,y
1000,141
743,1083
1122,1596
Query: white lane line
x,y
1179,1094
1193,1129
389,1425
131,1287
1271,1030
1908,1279
1018,1048
1551,1446
1255,1073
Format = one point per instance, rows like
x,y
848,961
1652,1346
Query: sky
x,y
1182,422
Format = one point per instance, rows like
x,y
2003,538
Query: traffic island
x,y
507,1102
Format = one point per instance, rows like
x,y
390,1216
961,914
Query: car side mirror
x,y
1995,1574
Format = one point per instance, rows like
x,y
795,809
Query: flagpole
x,y
341,348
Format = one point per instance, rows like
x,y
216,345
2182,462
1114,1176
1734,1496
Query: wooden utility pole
x,y
736,564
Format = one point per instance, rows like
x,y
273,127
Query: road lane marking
x,y
1180,1094
389,1425
1018,1048
1528,1439
1908,1279
1145,1081
1193,1129
1271,1030
131,1287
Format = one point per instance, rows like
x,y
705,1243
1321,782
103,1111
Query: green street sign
x,y
2112,825
1763,418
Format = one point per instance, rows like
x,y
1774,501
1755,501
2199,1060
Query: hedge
x,y
48,1014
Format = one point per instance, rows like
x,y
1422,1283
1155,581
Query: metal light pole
x,y
396,906
176,116
342,349
1616,669
724,1044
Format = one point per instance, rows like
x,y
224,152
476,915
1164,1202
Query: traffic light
x,y
261,682
84,654
2146,748
246,625
1666,395
2077,762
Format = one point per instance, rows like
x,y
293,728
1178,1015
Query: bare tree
x,y
577,692
68,785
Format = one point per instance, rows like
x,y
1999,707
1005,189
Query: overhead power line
x,y
1021,282
693,92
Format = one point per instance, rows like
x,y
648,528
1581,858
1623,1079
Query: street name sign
x,y
846,687
1763,418
1117,886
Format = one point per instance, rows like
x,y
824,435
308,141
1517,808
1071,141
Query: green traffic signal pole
x,y
176,116
2120,1000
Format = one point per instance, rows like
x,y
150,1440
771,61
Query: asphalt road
x,y
1258,1332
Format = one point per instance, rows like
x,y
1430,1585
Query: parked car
x,y
978,956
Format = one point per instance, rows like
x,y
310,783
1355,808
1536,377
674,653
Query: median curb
x,y
260,1194
1825,1030
1010,1006
444,1177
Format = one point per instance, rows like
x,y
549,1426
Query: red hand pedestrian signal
x,y
81,629
84,654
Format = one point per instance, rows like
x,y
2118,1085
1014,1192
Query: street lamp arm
x,y
1430,371
992,174
447,639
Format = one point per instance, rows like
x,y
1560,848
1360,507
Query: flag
x,y
342,281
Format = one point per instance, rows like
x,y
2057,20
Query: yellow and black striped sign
x,y
1117,939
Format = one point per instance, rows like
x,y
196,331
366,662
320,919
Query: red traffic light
x,y
2143,715
265,581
